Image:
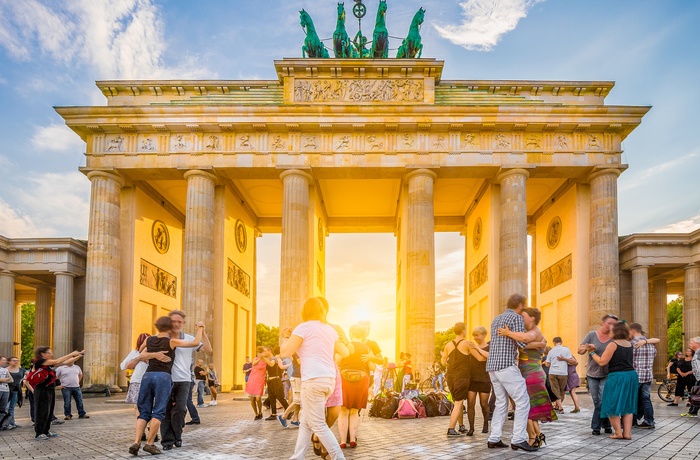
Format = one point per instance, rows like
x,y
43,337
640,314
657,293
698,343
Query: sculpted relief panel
x,y
370,90
555,275
479,275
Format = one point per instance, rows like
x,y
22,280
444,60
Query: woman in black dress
x,y
686,379
479,382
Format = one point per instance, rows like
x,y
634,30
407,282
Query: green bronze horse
x,y
313,47
412,46
380,41
342,46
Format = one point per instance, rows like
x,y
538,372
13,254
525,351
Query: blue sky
x,y
51,52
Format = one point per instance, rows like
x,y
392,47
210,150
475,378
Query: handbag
x,y
351,375
694,396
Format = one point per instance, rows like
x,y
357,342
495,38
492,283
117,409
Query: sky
x,y
51,53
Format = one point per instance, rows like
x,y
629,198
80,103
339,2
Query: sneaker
x,y
52,435
212,403
67,417
271,417
57,422
152,449
42,437
645,426
282,421
608,431
84,416
134,449
462,429
295,424
688,414
452,433
193,422
202,406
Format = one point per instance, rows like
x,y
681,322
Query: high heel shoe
x,y
542,439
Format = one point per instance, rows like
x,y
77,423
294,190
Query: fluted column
x,y
604,264
640,295
7,312
17,348
102,283
660,329
691,303
295,269
198,274
513,268
420,268
533,267
42,317
63,314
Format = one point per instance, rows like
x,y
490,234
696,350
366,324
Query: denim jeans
x,y
595,388
4,400
14,397
191,408
76,394
154,395
644,407
439,378
201,384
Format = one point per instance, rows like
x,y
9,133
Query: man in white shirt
x,y
70,376
558,371
183,383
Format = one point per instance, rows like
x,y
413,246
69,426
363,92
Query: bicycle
x,y
667,390
427,384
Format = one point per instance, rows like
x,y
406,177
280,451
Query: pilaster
x,y
691,303
640,295
42,318
63,314
660,326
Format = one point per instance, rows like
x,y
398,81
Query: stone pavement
x,y
229,432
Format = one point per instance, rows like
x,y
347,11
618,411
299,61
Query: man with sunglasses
x,y
597,341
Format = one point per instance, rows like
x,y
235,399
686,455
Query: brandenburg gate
x,y
187,174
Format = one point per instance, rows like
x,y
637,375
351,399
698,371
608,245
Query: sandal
x,y
316,444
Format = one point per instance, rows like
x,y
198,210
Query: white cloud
x,y
683,226
57,137
642,178
15,224
485,22
58,202
118,38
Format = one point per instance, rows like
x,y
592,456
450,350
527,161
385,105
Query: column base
x,y
99,388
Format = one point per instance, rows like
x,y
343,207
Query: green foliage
x,y
441,339
675,326
28,312
267,335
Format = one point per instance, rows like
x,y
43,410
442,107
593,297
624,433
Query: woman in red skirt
x,y
354,372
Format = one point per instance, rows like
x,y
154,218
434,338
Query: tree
x,y
675,326
267,335
27,344
441,339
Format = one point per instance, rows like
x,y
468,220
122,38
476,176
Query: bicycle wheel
x,y
426,385
666,391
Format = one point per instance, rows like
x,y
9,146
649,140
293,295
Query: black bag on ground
x,y
377,404
694,396
390,407
445,406
431,402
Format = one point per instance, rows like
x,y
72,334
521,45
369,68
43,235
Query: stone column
x,y
604,263
640,296
198,262
660,329
295,271
420,269
63,314
17,349
533,267
691,303
7,312
102,284
513,268
42,318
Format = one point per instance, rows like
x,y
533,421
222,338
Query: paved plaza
x,y
229,432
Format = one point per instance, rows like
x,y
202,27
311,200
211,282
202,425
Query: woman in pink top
x,y
316,342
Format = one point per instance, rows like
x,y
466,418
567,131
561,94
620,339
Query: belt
x,y
272,378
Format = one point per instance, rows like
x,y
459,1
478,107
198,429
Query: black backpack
x,y
376,409
390,407
431,405
445,406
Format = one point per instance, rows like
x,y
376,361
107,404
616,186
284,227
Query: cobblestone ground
x,y
227,431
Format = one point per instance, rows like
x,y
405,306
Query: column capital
x,y
691,266
201,173
604,172
5,272
60,273
640,267
106,174
503,173
296,172
421,172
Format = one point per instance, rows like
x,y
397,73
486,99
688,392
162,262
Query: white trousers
x,y
314,393
509,382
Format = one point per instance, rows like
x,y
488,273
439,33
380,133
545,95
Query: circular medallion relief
x,y
160,236
476,237
241,236
554,233
321,235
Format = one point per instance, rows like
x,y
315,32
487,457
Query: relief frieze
x,y
238,279
370,90
158,279
479,275
555,275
